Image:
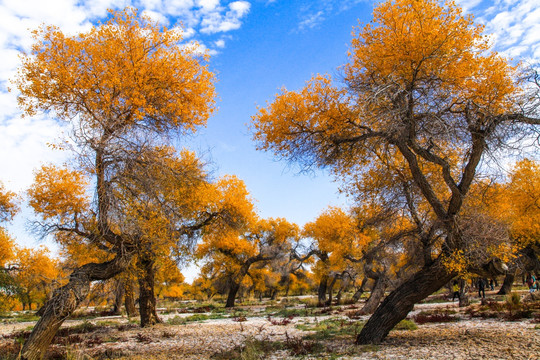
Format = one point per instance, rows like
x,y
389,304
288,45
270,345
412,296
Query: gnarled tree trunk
x,y
400,302
323,285
506,287
358,294
231,297
377,293
147,298
65,300
118,296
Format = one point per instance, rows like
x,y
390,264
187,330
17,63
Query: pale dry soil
x,y
465,339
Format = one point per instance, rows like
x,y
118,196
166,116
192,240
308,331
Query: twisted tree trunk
x,y
65,300
118,297
323,285
400,302
377,293
506,287
231,297
358,294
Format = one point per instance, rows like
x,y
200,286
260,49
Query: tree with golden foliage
x,y
122,85
8,209
36,274
423,88
334,236
232,254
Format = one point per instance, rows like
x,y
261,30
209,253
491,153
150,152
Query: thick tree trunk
x,y
65,300
323,285
147,298
231,297
400,302
129,299
464,299
118,297
506,287
377,293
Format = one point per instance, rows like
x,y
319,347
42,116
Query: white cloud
x,y
241,8
208,5
515,25
220,43
156,16
218,21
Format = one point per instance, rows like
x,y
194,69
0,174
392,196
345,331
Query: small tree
x,y
235,252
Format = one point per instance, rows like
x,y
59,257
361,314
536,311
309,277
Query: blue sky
x,y
257,47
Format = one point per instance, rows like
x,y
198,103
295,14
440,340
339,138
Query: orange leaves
x,y
523,198
59,193
336,237
8,204
7,248
8,209
125,73
319,110
414,39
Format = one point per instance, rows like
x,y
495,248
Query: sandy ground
x,y
464,339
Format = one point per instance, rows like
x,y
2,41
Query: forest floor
x,y
435,330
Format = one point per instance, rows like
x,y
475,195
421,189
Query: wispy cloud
x,y
313,13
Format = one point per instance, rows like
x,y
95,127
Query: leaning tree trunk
x,y
377,293
401,301
231,297
147,298
506,287
323,285
358,294
65,300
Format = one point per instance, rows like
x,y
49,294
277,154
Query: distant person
x,y
531,280
491,284
482,288
456,291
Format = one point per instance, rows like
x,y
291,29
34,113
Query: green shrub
x,y
406,324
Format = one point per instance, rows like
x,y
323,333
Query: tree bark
x,y
464,299
65,300
129,299
231,297
506,287
147,298
118,297
401,301
358,294
323,285
377,293
331,291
